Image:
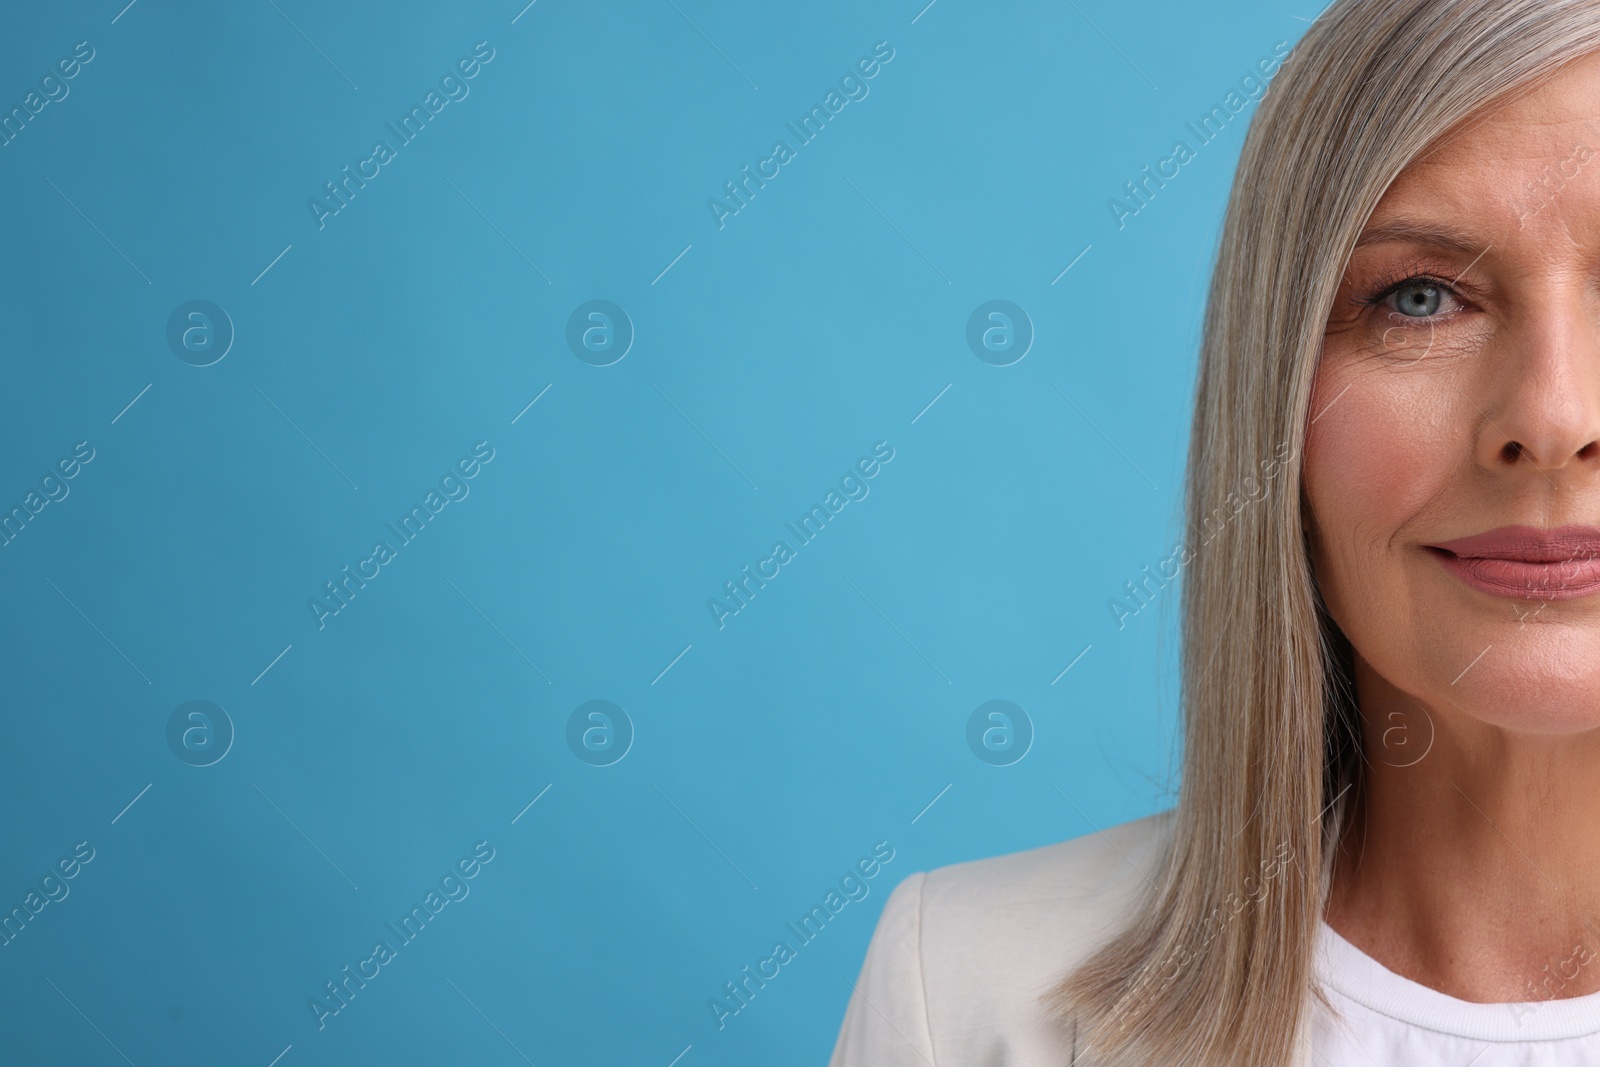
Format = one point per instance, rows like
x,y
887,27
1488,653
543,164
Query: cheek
x,y
1377,459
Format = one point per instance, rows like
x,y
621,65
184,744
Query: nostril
x,y
1589,451
1511,451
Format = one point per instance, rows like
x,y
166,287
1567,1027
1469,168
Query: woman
x,y
1387,844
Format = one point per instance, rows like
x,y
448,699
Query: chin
x,y
1545,682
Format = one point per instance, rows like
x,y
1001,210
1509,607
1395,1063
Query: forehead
x,y
1490,158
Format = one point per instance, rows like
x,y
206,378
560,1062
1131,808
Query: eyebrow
x,y
1420,233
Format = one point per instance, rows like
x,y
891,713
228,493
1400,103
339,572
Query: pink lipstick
x,y
1526,562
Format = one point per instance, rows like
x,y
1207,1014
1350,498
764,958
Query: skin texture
x,y
1472,862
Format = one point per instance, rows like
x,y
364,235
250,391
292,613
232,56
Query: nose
x,y
1543,408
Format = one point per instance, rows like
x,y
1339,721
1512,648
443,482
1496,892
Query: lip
x,y
1526,562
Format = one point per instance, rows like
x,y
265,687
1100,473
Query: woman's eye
x,y
1418,299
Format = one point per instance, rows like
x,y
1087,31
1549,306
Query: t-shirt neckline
x,y
1347,970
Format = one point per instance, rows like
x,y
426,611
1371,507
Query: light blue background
x,y
824,317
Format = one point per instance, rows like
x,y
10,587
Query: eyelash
x,y
1406,276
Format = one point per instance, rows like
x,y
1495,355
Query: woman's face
x,y
1453,465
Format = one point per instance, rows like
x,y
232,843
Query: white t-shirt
x,y
1386,1020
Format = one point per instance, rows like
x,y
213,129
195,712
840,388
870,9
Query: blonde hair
x,y
1272,752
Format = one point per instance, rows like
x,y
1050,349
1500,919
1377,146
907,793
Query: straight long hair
x,y
1272,755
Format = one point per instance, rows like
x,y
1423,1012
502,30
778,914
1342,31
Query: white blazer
x,y
962,954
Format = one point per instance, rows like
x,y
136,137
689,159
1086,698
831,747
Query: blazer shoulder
x,y
1083,872
963,954
997,935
